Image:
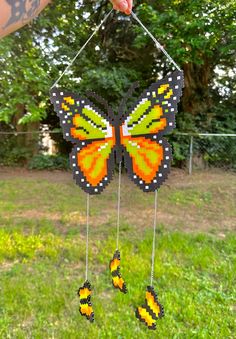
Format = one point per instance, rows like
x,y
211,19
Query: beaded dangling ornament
x,y
103,139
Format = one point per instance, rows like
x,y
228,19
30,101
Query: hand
x,y
15,14
124,6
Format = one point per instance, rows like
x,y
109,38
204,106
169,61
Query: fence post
x,y
190,168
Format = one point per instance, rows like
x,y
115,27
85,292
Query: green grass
x,y
189,197
42,265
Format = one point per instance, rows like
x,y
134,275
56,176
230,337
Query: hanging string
x,y
154,238
81,49
87,238
157,44
118,208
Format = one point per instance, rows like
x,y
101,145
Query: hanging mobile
x,y
100,141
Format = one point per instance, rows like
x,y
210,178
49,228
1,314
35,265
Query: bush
x,y
11,154
51,162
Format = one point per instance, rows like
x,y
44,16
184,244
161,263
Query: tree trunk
x,y
196,98
26,140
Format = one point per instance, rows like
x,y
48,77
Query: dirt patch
x,y
35,214
7,265
19,172
177,177
216,215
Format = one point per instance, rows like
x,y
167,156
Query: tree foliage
x,y
199,35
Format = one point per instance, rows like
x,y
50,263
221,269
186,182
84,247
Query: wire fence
x,y
204,150
191,150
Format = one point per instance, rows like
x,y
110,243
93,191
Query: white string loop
x,y
157,44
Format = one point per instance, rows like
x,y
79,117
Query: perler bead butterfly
x,y
151,311
100,139
117,280
84,294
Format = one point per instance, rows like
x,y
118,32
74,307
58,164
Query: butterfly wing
x,y
92,134
153,304
84,294
147,153
86,310
117,280
144,316
151,310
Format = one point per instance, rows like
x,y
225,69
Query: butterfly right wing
x,y
147,153
92,133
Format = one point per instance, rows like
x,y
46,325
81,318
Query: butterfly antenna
x,y
129,93
102,101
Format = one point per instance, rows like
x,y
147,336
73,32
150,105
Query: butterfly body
x,y
100,140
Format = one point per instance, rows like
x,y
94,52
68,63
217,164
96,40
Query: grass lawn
x,y
42,256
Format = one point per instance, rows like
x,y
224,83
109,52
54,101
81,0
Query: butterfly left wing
x,y
117,280
151,310
147,153
85,308
92,134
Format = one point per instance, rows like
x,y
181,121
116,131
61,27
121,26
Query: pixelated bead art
x,y
117,280
103,139
84,294
151,310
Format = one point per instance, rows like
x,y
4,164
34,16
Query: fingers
x,y
120,5
124,6
130,6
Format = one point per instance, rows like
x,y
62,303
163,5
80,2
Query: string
x,y
157,44
87,238
118,208
81,49
154,238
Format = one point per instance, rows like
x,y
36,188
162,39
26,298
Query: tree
x,y
199,35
